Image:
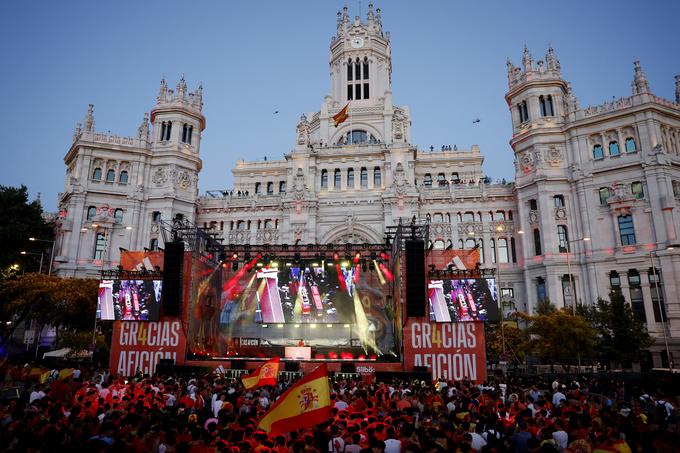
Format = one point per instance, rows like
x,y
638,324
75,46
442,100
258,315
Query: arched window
x,y
562,239
282,186
438,217
366,70
118,215
469,216
269,223
363,176
503,250
357,137
598,153
337,179
441,179
500,215
156,216
541,104
91,212
110,176
153,245
185,132
168,130
630,145
455,178
460,244
537,242
613,148
377,177
97,174
241,225
162,136
546,105
438,245
258,187
350,70
190,134
270,188
428,180
123,177
470,243
523,111
350,178
493,250
357,79
324,179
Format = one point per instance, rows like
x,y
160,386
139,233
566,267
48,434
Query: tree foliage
x,y
559,336
621,335
20,220
67,303
516,342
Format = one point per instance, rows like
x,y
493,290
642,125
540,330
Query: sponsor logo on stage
x,y
452,351
250,342
366,370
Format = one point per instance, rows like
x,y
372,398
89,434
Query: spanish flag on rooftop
x,y
306,403
341,116
267,374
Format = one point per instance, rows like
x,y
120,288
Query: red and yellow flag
x,y
341,116
267,374
306,403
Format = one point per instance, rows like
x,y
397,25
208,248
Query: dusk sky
x,y
254,58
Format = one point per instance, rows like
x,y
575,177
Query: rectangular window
x,y
559,201
537,242
363,178
365,70
604,195
357,91
357,71
637,302
637,190
350,92
562,239
533,205
507,293
365,90
626,230
615,282
540,289
99,246
350,73
658,304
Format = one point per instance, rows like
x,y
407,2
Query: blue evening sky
x,y
255,57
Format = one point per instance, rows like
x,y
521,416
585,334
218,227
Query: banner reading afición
x,y
453,351
140,345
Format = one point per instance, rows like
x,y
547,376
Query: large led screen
x,y
129,300
330,307
462,300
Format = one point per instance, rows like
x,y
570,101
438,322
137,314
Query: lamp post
x,y
571,277
500,229
661,311
23,252
49,270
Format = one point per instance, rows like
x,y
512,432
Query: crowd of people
x,y
94,411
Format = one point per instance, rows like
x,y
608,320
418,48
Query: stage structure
x,y
338,303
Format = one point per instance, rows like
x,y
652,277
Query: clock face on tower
x,y
357,42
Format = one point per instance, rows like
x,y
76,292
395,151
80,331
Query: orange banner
x,y
457,259
452,351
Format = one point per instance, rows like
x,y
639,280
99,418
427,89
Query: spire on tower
x,y
339,24
369,16
640,84
526,59
89,118
198,96
143,130
345,19
181,87
551,60
163,91
77,132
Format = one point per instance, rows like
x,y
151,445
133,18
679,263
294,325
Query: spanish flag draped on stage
x,y
306,403
341,116
267,374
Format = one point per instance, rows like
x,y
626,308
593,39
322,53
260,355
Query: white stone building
x,y
596,192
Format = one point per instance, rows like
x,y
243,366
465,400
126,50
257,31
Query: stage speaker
x,y
292,366
348,368
172,278
416,305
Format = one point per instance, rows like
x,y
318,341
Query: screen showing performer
x,y
462,300
129,300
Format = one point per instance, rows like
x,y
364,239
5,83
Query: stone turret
x,y
640,84
89,119
548,69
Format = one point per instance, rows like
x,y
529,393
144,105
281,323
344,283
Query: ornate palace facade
x,y
594,205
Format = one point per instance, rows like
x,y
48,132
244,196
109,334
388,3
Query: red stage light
x,y
346,355
357,257
362,356
336,257
332,355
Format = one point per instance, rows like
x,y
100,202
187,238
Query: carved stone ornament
x,y
526,162
553,157
183,180
533,217
299,186
399,125
303,131
560,213
159,177
400,180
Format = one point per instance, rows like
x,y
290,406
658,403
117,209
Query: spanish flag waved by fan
x,y
267,374
306,403
341,116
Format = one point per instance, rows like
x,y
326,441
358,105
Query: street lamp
x,y
49,271
571,277
23,252
661,310
500,229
